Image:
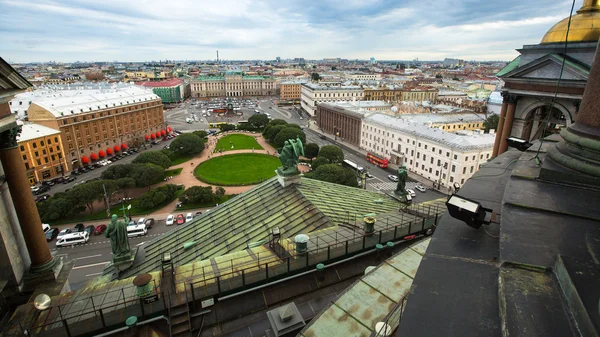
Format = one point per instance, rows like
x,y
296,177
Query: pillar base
x,y
286,181
575,159
48,272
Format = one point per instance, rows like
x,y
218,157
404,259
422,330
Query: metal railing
x,y
208,281
392,319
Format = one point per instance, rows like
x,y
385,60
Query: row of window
x,y
46,160
34,143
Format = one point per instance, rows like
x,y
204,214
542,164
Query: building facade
x,y
362,77
442,157
451,96
313,94
340,122
233,84
450,122
98,125
170,91
42,153
290,90
398,94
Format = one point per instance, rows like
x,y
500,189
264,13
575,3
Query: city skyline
x,y
92,30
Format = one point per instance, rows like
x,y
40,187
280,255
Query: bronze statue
x,y
402,176
119,242
289,157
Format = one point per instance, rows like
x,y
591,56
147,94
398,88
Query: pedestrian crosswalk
x,y
391,186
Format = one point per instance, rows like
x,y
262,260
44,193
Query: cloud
x,y
106,30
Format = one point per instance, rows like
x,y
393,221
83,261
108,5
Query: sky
x,y
152,30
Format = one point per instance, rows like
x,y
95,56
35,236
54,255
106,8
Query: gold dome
x,y
585,25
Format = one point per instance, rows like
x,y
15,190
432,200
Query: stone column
x,y
580,148
499,128
508,121
29,219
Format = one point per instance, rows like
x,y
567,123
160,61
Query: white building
x,y
362,77
313,94
429,152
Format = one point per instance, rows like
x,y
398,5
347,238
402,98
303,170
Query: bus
x,y
353,166
216,124
377,160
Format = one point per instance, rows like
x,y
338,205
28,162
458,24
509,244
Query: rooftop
x,y
31,131
156,84
86,101
316,86
443,118
453,140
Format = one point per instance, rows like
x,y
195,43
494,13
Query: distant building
x,y
453,63
42,152
233,84
362,77
398,94
290,90
313,94
170,91
340,122
91,125
451,96
440,156
278,59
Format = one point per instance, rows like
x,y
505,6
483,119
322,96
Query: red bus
x,y
377,160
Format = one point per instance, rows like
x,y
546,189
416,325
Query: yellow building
x,y
42,153
96,125
401,94
290,90
148,74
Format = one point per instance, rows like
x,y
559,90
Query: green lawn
x,y
185,207
239,142
238,169
177,159
172,173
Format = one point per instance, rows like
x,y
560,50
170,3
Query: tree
x,y
156,197
147,174
288,133
336,174
311,150
117,171
491,122
439,76
294,126
197,194
55,208
186,144
124,183
259,120
333,153
227,127
201,133
86,194
318,162
153,157
219,193
315,77
271,131
277,121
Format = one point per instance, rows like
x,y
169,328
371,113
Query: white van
x,y
137,230
73,239
45,227
189,217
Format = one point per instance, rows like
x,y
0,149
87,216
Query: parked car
x,y
189,217
141,221
393,178
90,229
48,182
420,188
411,192
79,227
42,189
132,223
51,234
42,197
180,219
322,137
198,214
64,232
149,223
73,239
100,229
35,189
170,220
68,180
369,175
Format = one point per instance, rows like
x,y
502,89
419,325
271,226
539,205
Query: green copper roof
x,y
250,216
514,64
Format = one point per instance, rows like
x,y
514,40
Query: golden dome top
x,y
585,25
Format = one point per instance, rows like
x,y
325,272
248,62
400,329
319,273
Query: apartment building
x,y
94,124
233,84
440,156
313,94
42,152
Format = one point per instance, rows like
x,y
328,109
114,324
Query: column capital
x,y
510,98
8,138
